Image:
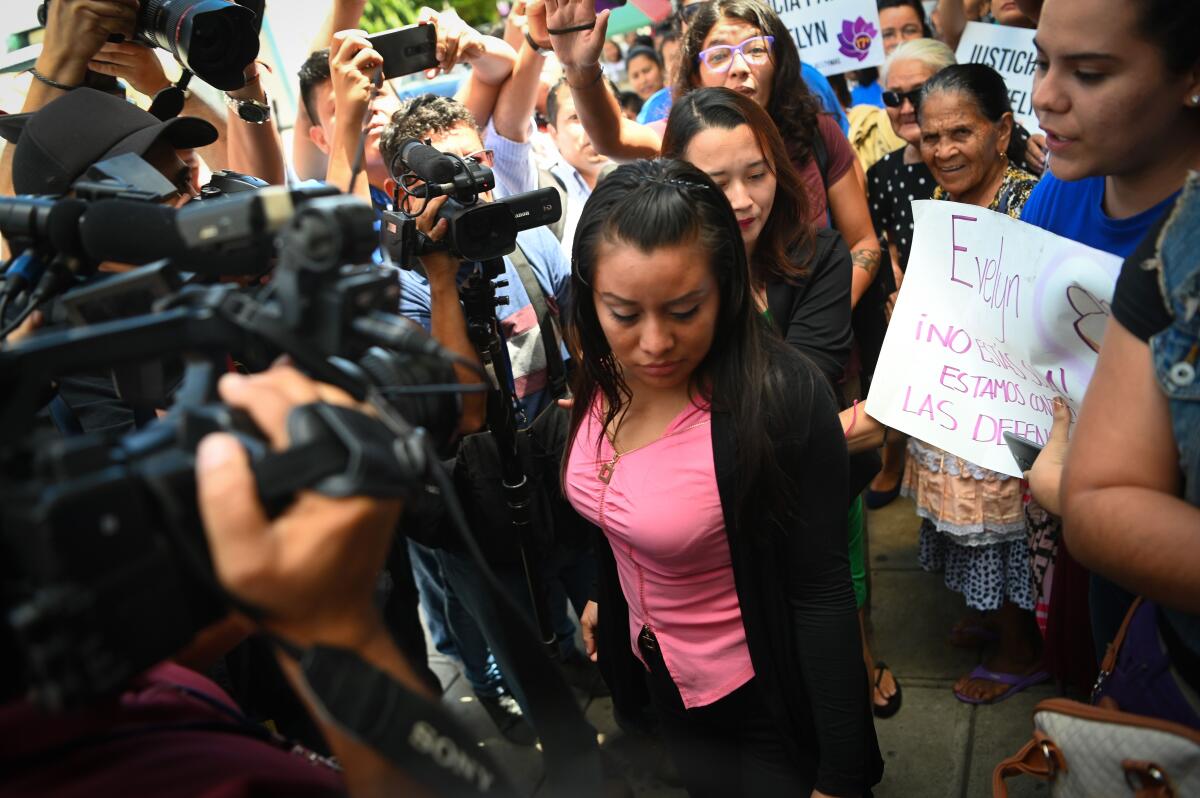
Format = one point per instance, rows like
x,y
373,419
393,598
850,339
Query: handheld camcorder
x,y
478,231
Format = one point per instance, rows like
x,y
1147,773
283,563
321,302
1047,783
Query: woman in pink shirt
x,y
709,456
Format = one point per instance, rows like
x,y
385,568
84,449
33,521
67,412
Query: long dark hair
x,y
787,232
791,104
663,203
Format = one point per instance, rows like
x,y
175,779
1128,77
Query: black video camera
x,y
478,231
103,564
214,39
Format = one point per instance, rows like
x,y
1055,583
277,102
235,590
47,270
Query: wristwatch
x,y
252,111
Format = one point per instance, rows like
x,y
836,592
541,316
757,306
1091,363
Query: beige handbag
x,y
1098,751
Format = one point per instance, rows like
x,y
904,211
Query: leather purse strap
x,y
1039,757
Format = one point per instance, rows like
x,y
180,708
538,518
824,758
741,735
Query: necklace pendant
x,y
606,471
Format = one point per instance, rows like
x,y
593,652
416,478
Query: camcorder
x,y
478,231
214,39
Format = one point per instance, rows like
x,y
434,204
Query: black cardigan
x,y
795,593
813,313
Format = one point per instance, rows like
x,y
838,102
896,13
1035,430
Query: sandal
x,y
1016,682
893,704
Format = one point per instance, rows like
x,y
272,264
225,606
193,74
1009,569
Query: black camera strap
x,y
556,376
414,733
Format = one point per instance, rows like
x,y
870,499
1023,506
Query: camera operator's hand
x,y
441,268
76,30
578,49
457,42
352,66
491,59
133,63
312,571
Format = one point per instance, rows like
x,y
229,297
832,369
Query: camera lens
x,y
215,39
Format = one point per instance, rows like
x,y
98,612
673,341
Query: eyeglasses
x,y
755,51
895,99
687,12
909,31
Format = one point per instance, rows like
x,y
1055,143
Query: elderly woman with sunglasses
x,y
744,46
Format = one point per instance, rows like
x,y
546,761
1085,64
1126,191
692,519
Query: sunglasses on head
x,y
687,12
895,99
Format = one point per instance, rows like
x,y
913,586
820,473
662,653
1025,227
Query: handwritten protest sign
x,y
835,36
1010,52
995,318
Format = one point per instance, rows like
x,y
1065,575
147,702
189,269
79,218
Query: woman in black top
x,y
666,325
800,274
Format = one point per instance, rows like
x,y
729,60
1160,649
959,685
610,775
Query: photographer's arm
x,y
307,158
611,133
255,149
447,322
312,571
491,60
352,61
518,96
75,31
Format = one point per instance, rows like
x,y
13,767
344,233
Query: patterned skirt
x,y
973,527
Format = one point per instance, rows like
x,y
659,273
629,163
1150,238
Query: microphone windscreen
x,y
62,226
429,164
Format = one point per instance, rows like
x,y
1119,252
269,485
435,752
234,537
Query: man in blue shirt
x,y
449,127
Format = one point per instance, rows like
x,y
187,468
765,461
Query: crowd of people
x,y
690,346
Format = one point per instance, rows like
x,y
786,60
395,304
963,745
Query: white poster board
x,y
995,318
835,36
1010,52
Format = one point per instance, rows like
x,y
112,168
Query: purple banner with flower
x,y
835,36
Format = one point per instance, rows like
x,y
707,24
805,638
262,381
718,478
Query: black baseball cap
x,y
57,144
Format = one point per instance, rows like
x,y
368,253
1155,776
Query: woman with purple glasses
x,y
744,46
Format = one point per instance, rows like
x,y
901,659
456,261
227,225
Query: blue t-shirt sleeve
x,y
1034,212
415,299
819,86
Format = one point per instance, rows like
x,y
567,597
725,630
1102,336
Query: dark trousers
x,y
729,748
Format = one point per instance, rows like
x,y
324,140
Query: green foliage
x,y
382,15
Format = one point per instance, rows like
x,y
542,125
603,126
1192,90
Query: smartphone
x,y
1024,451
603,4
406,50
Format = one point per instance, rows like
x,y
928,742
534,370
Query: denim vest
x,y
1176,353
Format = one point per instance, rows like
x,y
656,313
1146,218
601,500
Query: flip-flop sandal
x,y
971,636
893,704
1016,683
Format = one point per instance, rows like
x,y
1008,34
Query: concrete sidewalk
x,y
936,747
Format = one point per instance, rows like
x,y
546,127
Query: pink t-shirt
x,y
661,513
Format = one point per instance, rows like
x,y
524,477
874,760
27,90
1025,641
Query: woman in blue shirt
x,y
1117,91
